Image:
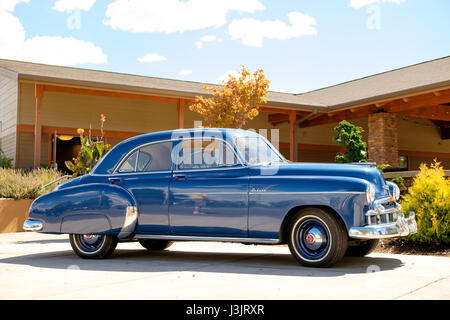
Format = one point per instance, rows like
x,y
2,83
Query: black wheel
x,y
316,238
93,246
155,245
364,248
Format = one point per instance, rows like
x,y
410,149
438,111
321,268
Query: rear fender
x,y
87,209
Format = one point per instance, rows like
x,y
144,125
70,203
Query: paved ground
x,y
36,266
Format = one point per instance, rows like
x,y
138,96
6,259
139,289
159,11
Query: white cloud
x,y
185,72
207,38
152,57
357,4
70,5
171,16
253,31
225,76
42,49
8,5
62,51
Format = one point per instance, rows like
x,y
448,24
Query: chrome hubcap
x,y
312,239
90,239
89,243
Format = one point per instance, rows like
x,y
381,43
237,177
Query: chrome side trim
x,y
33,225
206,238
307,192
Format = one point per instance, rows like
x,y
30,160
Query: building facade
x,y
405,113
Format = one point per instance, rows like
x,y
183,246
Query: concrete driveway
x,y
37,266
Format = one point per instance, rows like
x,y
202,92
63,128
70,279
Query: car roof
x,y
109,161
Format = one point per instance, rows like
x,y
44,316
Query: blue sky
x,y
301,45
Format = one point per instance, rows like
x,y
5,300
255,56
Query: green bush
x,y
92,150
16,183
5,162
349,136
429,199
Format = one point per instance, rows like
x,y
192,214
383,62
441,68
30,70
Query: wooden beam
x,y
417,102
73,131
338,116
292,135
49,150
423,154
275,110
106,93
54,149
440,112
180,107
314,147
39,95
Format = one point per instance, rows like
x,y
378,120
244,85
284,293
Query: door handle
x,y
115,180
179,177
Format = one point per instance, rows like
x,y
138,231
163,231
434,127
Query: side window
x,y
129,164
204,154
154,157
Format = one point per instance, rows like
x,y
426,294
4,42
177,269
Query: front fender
x,y
85,209
271,199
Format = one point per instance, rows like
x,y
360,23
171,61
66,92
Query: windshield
x,y
257,150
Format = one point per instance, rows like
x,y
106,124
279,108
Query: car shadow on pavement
x,y
219,262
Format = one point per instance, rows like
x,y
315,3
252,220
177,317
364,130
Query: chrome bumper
x,y
400,228
32,225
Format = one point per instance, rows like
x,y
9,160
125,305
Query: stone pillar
x,y
383,139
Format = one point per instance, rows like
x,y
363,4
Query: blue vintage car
x,y
221,185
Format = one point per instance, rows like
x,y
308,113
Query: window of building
x,y
403,162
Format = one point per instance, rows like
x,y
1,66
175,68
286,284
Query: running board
x,y
205,238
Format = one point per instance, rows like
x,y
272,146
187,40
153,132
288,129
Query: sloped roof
x,y
122,81
419,77
427,75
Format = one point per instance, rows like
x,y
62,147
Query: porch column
x,y
180,107
383,139
292,136
39,95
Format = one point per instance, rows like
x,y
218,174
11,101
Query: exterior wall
x,y
420,135
82,111
25,149
8,113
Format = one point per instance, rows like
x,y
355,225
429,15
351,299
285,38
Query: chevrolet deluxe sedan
x,y
221,185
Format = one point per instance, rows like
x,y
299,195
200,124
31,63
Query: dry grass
x,y
16,183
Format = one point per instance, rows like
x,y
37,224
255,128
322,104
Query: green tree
x,y
349,136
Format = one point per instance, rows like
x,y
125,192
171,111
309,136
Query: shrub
x,y
16,183
349,136
429,198
92,150
5,162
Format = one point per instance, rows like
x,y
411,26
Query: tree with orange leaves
x,y
234,103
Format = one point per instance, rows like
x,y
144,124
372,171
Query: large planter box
x,y
13,213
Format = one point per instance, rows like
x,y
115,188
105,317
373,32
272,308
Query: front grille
x,y
386,214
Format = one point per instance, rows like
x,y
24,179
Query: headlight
x,y
370,193
396,192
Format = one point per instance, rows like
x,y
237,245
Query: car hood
x,y
365,172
